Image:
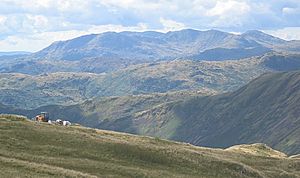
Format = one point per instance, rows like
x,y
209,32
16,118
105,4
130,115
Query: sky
x,y
30,25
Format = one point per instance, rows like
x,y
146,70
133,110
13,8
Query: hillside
x,y
31,149
163,77
95,111
258,149
110,51
265,110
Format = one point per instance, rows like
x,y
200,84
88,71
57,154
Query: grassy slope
x,y
40,150
266,110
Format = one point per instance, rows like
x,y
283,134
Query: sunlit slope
x,y
266,110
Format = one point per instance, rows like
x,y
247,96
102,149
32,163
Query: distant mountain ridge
x,y
14,53
155,45
111,51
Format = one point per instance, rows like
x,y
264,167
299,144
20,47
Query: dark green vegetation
x,y
30,149
265,110
111,51
163,77
103,109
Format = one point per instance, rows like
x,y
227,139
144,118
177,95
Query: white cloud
x,y
134,4
290,11
226,8
171,25
2,19
289,33
38,41
228,13
38,21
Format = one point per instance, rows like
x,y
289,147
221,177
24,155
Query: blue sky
x,y
31,25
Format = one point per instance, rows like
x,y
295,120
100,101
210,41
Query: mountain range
x,y
110,51
159,46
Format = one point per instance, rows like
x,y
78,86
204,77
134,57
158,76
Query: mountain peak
x,y
260,34
262,38
254,32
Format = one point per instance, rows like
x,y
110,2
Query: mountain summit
x,y
111,51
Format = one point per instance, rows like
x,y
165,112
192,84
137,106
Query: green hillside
x,y
30,149
97,111
266,110
26,91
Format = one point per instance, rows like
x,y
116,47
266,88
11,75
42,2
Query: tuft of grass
x,y
13,117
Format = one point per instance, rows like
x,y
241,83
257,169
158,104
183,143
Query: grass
x,y
33,149
257,149
264,111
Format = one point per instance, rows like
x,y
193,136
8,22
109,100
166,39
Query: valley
x,y
265,110
205,77
149,89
